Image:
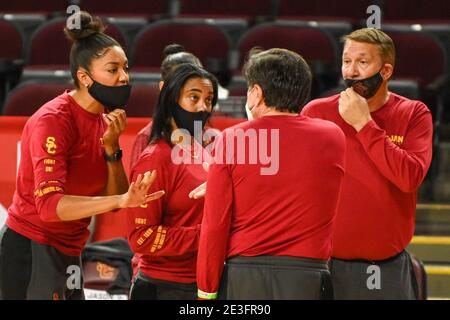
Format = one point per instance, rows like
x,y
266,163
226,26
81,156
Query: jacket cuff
x,y
202,295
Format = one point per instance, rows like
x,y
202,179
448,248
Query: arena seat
x,y
11,62
132,8
346,10
11,39
205,40
314,44
46,7
250,10
41,56
143,100
48,54
425,62
418,10
29,96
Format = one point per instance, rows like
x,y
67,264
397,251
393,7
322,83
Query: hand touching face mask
x,y
367,87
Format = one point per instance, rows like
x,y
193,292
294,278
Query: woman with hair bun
x,y
70,170
175,54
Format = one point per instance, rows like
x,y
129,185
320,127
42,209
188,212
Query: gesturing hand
x,y
200,191
354,109
137,192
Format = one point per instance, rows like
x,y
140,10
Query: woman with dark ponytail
x,y
174,55
70,170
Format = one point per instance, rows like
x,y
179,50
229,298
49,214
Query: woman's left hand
x,y
117,122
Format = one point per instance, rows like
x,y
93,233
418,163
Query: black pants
x,y
275,278
390,279
29,270
146,288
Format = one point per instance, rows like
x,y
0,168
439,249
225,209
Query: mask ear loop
x,y
87,85
89,75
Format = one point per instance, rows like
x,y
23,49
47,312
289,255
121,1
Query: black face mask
x,y
367,87
186,120
110,96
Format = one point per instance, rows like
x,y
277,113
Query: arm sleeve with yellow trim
x,y
146,234
215,226
50,143
404,166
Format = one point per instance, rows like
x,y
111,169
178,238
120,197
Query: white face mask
x,y
248,112
247,109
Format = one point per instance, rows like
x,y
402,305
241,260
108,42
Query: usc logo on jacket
x,y
51,145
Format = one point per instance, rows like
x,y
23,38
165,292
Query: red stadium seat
x,y
27,97
425,60
11,39
418,10
248,9
314,44
205,40
348,10
50,49
143,100
132,8
11,62
32,6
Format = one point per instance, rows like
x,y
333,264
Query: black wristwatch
x,y
116,156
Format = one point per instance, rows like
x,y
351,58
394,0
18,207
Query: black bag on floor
x,y
107,266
